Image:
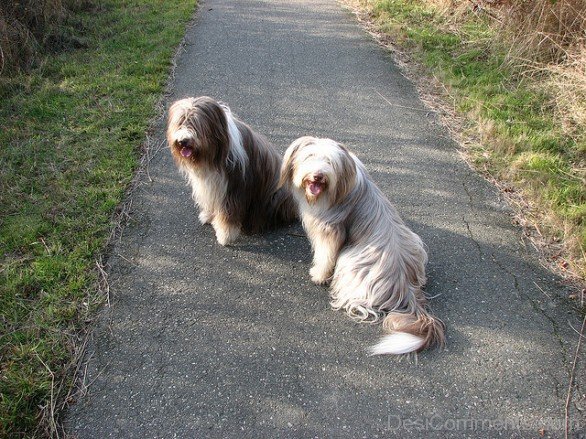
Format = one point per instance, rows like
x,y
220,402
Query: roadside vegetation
x,y
80,82
512,77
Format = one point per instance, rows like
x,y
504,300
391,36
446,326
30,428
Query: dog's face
x,y
321,169
197,132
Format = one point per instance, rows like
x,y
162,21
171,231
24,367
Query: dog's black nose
x,y
318,176
183,142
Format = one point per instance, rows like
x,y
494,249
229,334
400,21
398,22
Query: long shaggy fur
x,y
233,171
375,263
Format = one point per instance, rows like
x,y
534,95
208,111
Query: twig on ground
x,y
147,158
541,289
298,235
53,430
103,280
134,264
575,330
45,245
424,110
571,384
80,352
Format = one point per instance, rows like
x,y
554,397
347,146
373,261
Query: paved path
x,y
206,341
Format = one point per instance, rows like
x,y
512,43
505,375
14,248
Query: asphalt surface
x,y
206,341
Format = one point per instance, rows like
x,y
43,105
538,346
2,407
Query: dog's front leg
x,y
205,216
326,243
226,232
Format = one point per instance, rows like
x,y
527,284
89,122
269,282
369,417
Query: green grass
x,y
521,141
70,134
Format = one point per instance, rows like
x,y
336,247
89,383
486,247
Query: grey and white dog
x,y
375,263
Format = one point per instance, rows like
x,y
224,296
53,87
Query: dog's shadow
x,y
288,243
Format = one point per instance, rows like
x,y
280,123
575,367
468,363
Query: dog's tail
x,y
410,332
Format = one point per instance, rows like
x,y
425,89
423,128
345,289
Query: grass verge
x,y
71,133
512,128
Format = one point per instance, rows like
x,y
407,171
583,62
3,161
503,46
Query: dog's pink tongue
x,y
186,152
315,188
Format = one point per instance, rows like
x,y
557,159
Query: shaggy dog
x,y
376,264
233,171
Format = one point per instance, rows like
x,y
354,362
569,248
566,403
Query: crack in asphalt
x,y
534,302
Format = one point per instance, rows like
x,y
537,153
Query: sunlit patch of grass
x,y
71,134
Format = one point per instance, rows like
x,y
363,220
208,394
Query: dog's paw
x,y
319,276
227,235
205,217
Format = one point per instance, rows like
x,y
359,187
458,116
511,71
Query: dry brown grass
x,y
545,39
29,26
548,39
544,30
567,82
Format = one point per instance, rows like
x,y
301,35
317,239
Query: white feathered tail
x,y
409,333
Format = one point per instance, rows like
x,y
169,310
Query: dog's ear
x,y
288,166
346,173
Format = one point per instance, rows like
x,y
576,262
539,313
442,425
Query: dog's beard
x,y
315,178
184,143
314,188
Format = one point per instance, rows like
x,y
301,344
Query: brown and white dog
x,y
376,264
233,171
